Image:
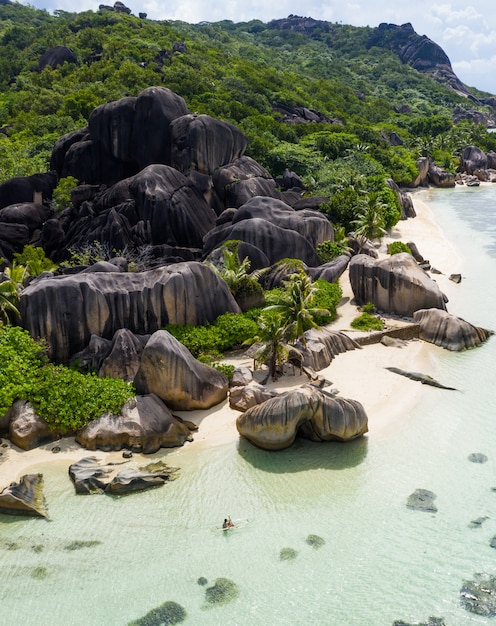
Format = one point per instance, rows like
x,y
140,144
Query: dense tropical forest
x,y
323,101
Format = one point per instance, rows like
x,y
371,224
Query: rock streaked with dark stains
x,y
169,370
144,425
66,310
307,411
24,497
448,331
395,285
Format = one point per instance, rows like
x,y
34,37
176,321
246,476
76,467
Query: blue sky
x,y
467,33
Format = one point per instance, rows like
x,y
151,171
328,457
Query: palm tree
x,y
10,289
295,305
370,221
272,344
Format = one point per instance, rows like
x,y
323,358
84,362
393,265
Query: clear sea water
x,y
381,561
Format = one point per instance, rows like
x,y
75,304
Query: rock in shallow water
x,y
25,497
167,613
479,595
422,500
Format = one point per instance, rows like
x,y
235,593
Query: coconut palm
x,y
295,304
12,279
370,222
272,345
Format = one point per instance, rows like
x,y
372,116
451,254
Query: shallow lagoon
x,y
380,561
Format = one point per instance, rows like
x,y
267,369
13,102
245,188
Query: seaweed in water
x,y
287,554
167,613
315,541
202,581
39,572
479,595
78,545
223,591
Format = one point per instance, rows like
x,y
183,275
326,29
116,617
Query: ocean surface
x,y
371,559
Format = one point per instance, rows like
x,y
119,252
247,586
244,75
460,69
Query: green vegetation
x,y
65,398
366,321
62,192
34,259
398,246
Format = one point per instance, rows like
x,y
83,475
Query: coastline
x,y
358,374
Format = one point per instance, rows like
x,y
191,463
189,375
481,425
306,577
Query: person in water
x,y
227,523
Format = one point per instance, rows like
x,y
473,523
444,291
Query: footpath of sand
x,y
358,374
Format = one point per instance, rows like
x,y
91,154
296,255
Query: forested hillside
x,y
304,99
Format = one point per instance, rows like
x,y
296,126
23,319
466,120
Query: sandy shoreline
x,y
359,374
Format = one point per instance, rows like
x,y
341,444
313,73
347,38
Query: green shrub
x,y
365,321
35,260
398,246
62,192
329,250
65,398
327,296
368,308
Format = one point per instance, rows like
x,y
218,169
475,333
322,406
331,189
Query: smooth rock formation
x,y
322,345
27,430
123,359
243,397
36,188
25,497
307,411
145,425
67,310
275,242
169,370
395,285
58,55
419,377
89,475
448,331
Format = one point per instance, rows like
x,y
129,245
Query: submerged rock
x,y
167,613
422,500
477,523
25,497
315,541
422,378
222,592
479,595
287,554
477,457
431,621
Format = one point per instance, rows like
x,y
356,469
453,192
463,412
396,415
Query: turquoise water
x,y
380,561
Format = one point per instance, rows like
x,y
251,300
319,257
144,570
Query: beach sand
x,y
359,374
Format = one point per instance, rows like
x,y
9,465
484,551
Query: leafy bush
x,y
329,250
62,192
65,398
327,296
365,321
35,260
368,308
398,246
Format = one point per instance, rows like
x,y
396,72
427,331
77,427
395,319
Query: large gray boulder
x,y
204,144
241,180
396,285
307,411
169,370
25,497
311,224
322,345
275,242
473,159
123,360
27,430
67,310
144,425
449,331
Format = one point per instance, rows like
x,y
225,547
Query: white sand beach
x,y
358,374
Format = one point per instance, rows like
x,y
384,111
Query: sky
x,y
466,33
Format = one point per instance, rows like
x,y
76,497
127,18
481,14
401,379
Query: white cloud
x,y
448,14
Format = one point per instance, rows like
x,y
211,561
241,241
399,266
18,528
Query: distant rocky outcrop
x,y
395,285
67,310
25,497
475,161
307,411
448,331
144,425
58,55
170,371
419,52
